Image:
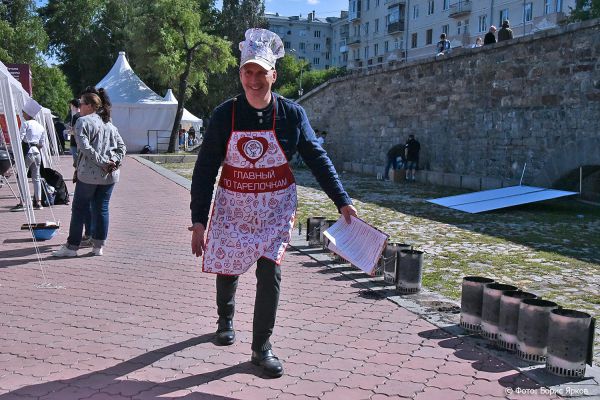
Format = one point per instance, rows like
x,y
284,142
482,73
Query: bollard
x,y
471,300
508,319
390,258
324,226
312,230
570,335
490,308
410,271
532,329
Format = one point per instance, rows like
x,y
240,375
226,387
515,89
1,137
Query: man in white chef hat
x,y
33,138
253,136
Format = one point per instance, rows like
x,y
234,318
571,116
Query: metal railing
x,y
460,8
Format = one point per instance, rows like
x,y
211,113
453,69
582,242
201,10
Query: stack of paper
x,y
357,242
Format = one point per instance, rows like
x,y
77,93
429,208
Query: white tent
x,y
187,119
141,115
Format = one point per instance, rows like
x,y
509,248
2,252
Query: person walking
x,y
101,151
505,33
33,138
254,136
490,37
413,147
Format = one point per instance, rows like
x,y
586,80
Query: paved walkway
x,y
138,322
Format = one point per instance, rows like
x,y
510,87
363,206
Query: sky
x,y
323,8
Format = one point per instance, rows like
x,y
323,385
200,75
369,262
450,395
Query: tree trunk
x,y
183,82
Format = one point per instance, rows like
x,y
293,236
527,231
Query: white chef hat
x,y
32,107
261,47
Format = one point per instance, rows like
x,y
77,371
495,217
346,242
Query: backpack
x,y
55,179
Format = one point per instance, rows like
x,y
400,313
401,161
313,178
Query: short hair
x,y
505,23
74,103
411,136
443,36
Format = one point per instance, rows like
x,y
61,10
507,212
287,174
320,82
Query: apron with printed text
x,y
255,204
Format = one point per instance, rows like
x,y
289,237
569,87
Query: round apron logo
x,y
253,149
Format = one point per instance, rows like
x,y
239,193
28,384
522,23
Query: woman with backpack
x,y
101,150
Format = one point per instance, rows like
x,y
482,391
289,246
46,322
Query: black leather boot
x,y
269,362
225,333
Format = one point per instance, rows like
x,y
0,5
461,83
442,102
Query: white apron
x,y
255,204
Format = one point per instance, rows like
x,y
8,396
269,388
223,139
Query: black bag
x,y
55,179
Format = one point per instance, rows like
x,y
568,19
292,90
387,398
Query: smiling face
x,y
257,83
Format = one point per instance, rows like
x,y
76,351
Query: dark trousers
x,y
268,280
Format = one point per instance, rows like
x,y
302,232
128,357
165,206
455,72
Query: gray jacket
x,y
97,144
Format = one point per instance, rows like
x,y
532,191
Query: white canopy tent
x,y
138,112
187,119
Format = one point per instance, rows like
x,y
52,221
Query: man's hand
x,y
198,244
347,211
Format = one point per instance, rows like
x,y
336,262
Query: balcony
x,y
395,27
344,34
459,9
353,41
393,2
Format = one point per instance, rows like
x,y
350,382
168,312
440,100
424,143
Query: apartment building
x,y
375,32
309,38
388,30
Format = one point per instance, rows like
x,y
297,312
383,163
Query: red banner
x,y
22,73
256,180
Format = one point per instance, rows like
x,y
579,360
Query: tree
x,y
87,35
288,72
235,18
585,9
178,45
23,40
52,91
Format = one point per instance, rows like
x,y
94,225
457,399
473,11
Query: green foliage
x,y
23,40
235,18
51,89
86,35
22,35
180,49
310,80
584,10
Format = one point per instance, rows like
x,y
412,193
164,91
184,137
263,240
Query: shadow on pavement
x,y
107,380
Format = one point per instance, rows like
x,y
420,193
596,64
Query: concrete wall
x,y
480,114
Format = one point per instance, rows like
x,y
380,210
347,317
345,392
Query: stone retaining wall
x,y
480,114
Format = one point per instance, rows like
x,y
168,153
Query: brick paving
x,y
138,322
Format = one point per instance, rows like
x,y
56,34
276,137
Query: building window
x,y
366,28
558,5
375,50
287,45
416,11
317,47
316,61
327,56
504,15
429,36
317,34
327,66
466,25
458,27
445,6
547,6
430,8
446,29
386,46
302,46
376,25
413,41
366,52
482,23
367,5
528,12
376,3
397,44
